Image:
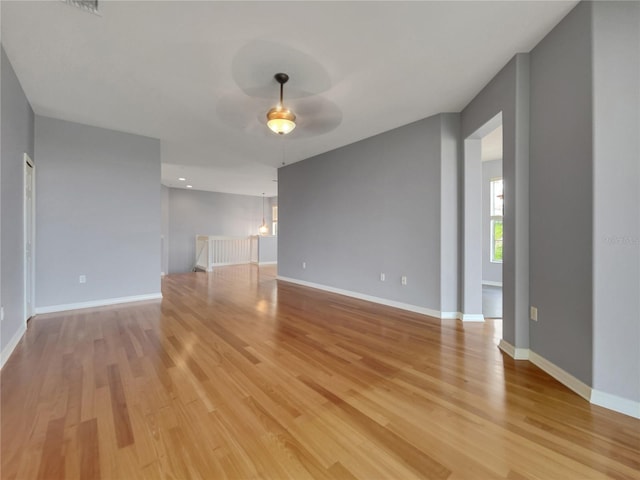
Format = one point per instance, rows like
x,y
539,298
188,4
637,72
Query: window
x,y
497,209
274,218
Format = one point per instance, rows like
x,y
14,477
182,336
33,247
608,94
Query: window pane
x,y
497,197
497,230
498,251
496,240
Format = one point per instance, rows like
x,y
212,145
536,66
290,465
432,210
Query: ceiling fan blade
x,y
315,116
238,111
272,91
255,64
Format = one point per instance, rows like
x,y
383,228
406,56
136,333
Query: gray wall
x,y
98,213
194,213
491,271
508,92
472,213
164,240
616,181
370,207
561,179
268,249
450,157
17,138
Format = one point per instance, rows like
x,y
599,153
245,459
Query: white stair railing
x,y
255,248
213,251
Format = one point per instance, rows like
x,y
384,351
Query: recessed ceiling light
x,y
189,186
182,179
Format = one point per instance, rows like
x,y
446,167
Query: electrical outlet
x,y
304,265
382,277
403,280
534,314
82,279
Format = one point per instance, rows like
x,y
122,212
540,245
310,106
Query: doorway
x,y
492,223
474,214
29,237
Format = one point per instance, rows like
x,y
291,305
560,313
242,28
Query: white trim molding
x,y
267,263
593,396
98,303
390,303
561,375
491,283
29,273
361,296
11,346
613,402
514,352
471,317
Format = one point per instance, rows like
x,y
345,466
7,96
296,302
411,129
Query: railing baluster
x,y
214,251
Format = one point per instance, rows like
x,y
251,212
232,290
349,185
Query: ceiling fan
x,y
245,109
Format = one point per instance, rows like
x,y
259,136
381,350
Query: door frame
x,y
472,236
29,286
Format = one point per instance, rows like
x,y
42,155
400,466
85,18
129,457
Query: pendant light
x,y
281,120
264,229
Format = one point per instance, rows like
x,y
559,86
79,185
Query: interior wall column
x,y
472,258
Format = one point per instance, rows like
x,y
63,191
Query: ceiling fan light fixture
x,y
281,120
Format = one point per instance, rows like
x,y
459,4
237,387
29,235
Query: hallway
x,y
491,301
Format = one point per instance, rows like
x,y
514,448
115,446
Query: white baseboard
x,y
613,402
513,352
361,296
561,375
596,397
465,317
472,317
97,303
267,263
11,346
491,283
391,303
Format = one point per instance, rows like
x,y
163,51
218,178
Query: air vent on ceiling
x,y
87,5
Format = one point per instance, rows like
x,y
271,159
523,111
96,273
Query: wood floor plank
x,y
236,375
419,460
89,449
119,409
52,460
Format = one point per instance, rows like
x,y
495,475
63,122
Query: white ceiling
x,y
491,145
199,75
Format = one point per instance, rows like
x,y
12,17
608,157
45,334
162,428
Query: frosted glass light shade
x,y
281,120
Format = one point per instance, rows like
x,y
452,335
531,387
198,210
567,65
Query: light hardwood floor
x,y
234,375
